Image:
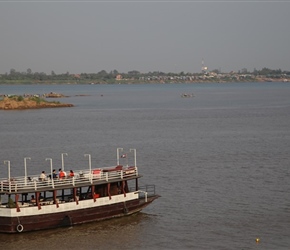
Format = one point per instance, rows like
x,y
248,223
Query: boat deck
x,y
25,184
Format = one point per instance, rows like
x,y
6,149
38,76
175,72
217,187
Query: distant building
x,y
204,68
118,77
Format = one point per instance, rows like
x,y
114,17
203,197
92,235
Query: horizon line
x,y
146,1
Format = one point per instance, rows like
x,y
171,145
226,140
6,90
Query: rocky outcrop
x,y
54,95
18,102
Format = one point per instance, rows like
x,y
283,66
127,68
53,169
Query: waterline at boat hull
x,y
72,217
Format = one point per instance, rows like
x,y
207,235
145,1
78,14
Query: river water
x,y
219,160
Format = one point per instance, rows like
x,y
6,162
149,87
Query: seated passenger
x,y
54,174
61,175
32,200
71,173
42,176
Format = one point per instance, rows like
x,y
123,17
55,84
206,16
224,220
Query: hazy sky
x,y
168,36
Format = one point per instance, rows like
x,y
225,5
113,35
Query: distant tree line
x,y
262,72
104,76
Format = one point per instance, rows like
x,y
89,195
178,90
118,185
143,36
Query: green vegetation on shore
x,y
37,99
113,77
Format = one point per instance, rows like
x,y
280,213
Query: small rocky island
x,y
28,102
54,95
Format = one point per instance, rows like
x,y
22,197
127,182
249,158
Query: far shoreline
x,y
149,81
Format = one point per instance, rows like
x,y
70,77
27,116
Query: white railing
x,y
145,193
82,177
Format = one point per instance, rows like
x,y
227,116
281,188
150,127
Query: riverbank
x,y
146,81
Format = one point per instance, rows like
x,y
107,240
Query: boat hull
x,y
74,217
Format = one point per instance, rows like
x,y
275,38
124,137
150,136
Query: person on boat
x,y
61,174
42,176
54,174
41,198
71,173
32,200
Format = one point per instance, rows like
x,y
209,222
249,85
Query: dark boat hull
x,y
73,217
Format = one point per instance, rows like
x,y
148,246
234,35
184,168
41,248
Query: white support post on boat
x,y
8,163
62,161
118,155
136,171
90,166
135,158
51,173
25,169
145,194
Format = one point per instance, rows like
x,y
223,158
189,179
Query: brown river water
x,y
220,161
